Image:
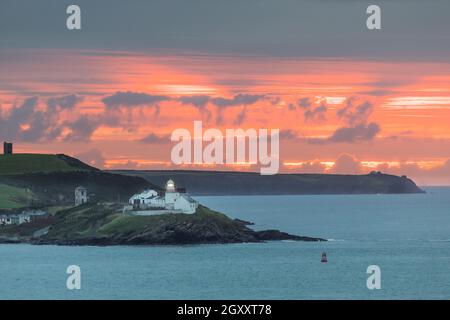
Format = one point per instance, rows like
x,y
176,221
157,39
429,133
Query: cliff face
x,y
240,183
102,225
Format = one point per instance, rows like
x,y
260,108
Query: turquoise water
x,y
408,236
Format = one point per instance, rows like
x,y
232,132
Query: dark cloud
x,y
311,112
400,134
154,138
358,133
26,123
304,102
356,115
241,116
237,28
317,113
219,117
198,101
20,114
43,126
288,134
377,92
64,102
93,157
395,81
201,102
31,122
82,128
237,100
355,112
132,99
353,134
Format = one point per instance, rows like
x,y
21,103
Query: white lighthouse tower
x,y
171,195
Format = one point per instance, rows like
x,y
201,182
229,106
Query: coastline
x,y
102,225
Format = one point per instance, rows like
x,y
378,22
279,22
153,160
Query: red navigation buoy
x,y
324,257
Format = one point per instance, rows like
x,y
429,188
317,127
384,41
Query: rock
x,y
247,223
267,235
102,225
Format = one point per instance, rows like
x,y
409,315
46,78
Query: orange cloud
x,y
410,105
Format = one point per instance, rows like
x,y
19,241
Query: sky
x,y
346,99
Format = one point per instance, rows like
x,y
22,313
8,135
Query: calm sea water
x,y
408,236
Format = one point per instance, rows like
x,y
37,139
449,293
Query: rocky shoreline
x,y
258,237
101,225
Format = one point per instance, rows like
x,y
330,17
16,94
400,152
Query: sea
x,y
406,236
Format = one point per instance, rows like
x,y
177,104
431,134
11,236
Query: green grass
x,y
125,223
13,198
29,163
54,209
98,220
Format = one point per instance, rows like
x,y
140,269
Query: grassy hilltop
x,y
50,179
13,197
23,163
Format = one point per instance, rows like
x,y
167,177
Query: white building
x,y
147,199
5,220
81,195
14,219
34,214
173,200
176,200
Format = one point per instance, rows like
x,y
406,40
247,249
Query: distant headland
x,y
206,183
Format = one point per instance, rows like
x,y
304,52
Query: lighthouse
x,y
171,195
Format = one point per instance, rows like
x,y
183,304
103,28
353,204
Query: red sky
x,y
335,115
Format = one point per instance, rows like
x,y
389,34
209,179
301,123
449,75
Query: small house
x,y
147,199
5,220
81,195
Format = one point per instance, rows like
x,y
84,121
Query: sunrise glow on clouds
x,y
127,105
345,100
